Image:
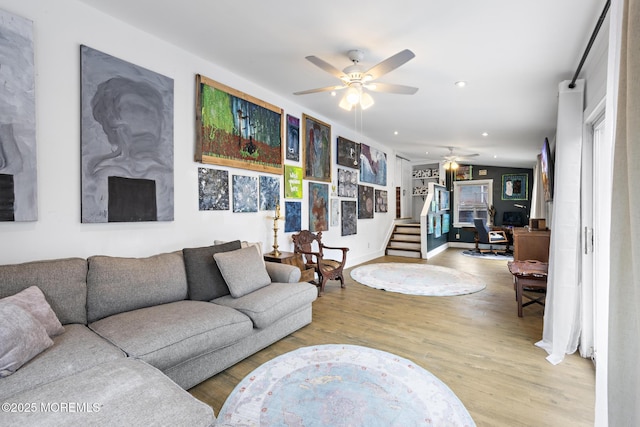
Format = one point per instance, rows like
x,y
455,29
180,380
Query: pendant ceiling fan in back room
x,y
358,80
452,160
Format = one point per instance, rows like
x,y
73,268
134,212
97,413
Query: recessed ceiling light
x,y
495,156
395,132
461,83
333,93
485,134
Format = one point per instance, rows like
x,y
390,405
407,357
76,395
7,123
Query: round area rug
x,y
417,279
342,385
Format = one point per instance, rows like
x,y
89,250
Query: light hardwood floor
x,y
476,344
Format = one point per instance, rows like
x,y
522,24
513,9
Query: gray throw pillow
x,y
243,270
22,337
204,280
33,301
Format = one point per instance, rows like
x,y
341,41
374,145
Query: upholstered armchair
x,y
310,246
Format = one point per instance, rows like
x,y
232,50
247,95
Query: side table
x,y
529,275
292,258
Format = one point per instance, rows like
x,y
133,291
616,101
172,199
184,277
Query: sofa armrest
x,y
283,273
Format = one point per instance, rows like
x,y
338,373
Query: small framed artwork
x,y
464,173
245,193
292,182
213,189
515,187
293,138
318,207
373,165
335,212
292,217
347,183
316,149
381,200
269,192
365,202
349,217
348,153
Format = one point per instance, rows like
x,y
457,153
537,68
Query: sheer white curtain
x,y
538,207
562,308
624,290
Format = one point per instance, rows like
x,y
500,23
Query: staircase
x,y
405,241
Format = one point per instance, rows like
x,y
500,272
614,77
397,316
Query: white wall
x,y
60,28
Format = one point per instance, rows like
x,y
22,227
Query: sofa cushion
x,y
63,282
33,301
124,392
77,349
204,279
168,334
271,303
22,337
243,270
116,285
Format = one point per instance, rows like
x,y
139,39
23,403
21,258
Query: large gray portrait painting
x,y
127,141
18,167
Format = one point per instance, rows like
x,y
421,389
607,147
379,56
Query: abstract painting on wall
x,y
245,193
235,129
292,182
213,189
365,202
381,201
347,183
349,218
318,207
269,192
18,166
292,217
316,149
348,153
373,165
127,141
293,138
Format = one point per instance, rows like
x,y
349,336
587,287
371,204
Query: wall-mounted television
x,y
546,166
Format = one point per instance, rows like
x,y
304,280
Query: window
x,y
471,199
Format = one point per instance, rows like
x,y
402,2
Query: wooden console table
x,y
292,258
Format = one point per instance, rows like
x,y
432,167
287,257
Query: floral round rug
x,y
342,385
417,279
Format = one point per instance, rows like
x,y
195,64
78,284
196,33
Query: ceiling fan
x,y
452,160
356,78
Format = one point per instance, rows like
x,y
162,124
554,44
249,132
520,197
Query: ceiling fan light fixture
x,y
344,104
366,101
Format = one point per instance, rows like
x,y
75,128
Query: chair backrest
x,y
304,242
481,228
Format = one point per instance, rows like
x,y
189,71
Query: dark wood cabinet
x,y
532,244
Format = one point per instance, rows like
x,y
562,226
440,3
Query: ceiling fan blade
x,y
326,67
392,88
390,64
320,89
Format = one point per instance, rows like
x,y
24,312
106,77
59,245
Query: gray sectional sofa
x,y
138,332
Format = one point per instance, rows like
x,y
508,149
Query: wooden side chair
x,y
530,282
310,246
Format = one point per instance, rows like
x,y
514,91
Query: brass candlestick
x,y
276,218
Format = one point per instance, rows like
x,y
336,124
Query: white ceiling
x,y
512,53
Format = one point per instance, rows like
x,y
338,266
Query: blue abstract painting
x,y
292,217
373,165
245,193
269,192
